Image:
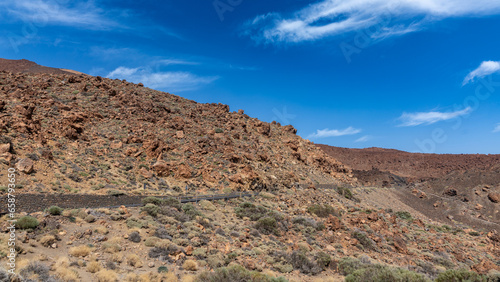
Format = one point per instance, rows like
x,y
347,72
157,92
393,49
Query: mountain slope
x,y
92,134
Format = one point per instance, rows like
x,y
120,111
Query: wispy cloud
x,y
363,139
83,14
333,17
414,119
172,81
497,128
324,133
486,68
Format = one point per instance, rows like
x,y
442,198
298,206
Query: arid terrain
x,y
322,213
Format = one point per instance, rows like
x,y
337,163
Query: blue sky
x,y
419,76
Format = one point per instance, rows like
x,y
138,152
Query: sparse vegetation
x,y
322,210
55,210
404,215
27,222
79,251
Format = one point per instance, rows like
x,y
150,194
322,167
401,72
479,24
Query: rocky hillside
x,y
414,166
77,133
25,66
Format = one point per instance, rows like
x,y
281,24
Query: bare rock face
x,y
25,165
4,148
494,197
400,244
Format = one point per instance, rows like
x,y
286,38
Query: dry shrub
x,y
47,240
134,260
188,278
102,230
151,241
62,262
67,274
163,243
93,267
190,265
79,251
66,213
106,276
117,257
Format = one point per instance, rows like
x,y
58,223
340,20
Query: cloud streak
x,y
67,13
172,81
486,68
426,118
363,139
497,128
324,133
334,17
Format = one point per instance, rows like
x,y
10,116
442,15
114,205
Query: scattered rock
x,y
494,197
25,165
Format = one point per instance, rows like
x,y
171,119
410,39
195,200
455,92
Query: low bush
x,y
151,209
134,237
236,273
322,210
404,215
106,276
134,260
345,192
452,275
55,210
191,211
251,211
356,270
300,261
190,265
36,269
152,200
93,267
79,251
162,269
364,240
27,222
267,225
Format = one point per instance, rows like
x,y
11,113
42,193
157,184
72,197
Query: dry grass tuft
x,y
106,276
79,251
47,240
190,265
93,267
67,274
134,260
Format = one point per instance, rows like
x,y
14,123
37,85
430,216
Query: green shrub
x,y
322,210
474,233
27,222
236,273
382,273
162,269
323,259
404,215
300,261
251,211
152,200
346,192
172,202
364,239
191,210
356,270
55,210
219,130
457,275
267,225
151,209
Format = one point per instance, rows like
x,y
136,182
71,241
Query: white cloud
x,y
172,81
363,139
66,13
486,68
334,132
497,128
414,119
384,17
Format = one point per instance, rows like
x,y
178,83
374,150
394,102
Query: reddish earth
x,y
414,166
25,66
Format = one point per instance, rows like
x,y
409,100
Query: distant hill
x,y
25,66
